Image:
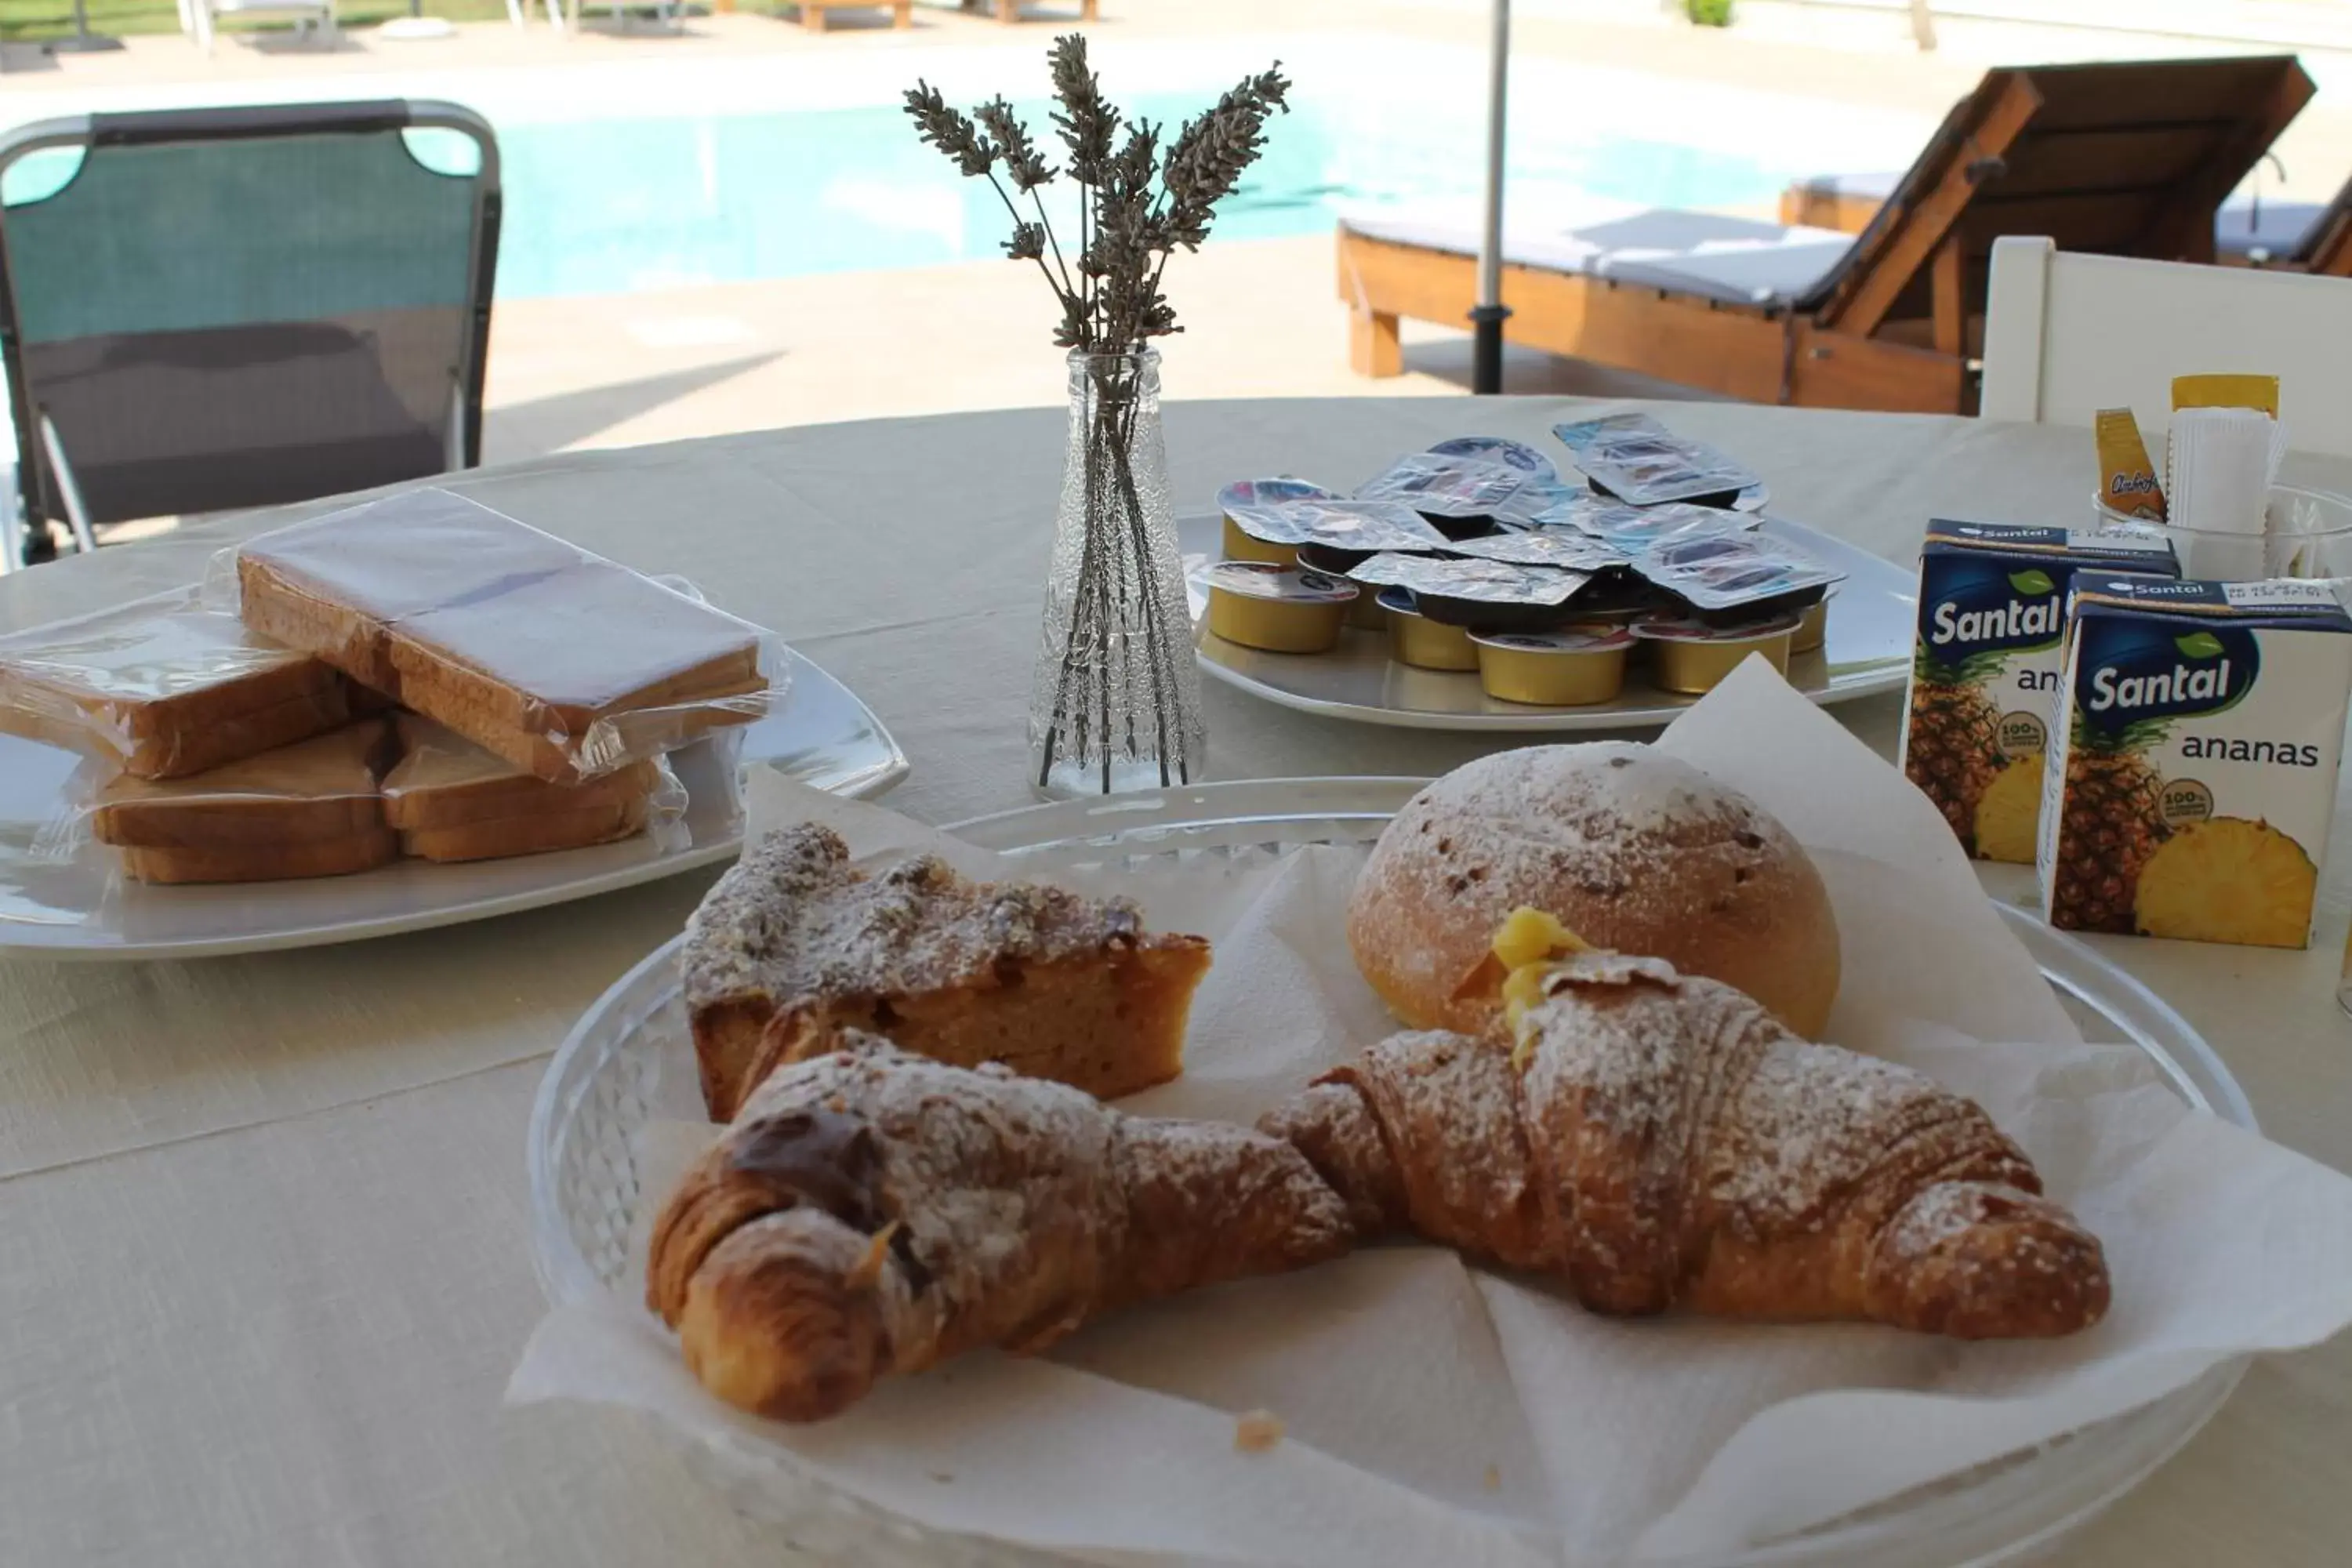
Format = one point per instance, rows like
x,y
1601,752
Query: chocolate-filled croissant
x,y
1655,1139
871,1212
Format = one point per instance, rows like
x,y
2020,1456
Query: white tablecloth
x,y
264,1261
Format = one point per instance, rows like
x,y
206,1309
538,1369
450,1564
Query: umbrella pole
x,y
82,41
1487,317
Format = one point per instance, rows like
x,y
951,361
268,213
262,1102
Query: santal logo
x,y
2007,622
2203,684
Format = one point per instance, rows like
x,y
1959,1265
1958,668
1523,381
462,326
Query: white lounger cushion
x,y
1738,260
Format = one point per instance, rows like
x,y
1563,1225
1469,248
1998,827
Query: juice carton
x,y
2192,780
1984,668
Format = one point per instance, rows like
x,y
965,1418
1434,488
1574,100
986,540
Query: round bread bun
x,y
1630,849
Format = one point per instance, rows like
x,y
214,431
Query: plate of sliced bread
x,y
408,714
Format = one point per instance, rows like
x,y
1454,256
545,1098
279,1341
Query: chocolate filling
x,y
830,1161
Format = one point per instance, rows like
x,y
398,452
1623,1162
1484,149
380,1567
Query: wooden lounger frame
x,y
814,13
2129,158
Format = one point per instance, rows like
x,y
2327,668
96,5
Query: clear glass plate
x,y
631,1059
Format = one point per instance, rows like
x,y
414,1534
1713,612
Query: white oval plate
x,y
1871,627
631,1059
823,736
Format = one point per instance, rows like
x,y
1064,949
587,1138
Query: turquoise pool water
x,y
610,206
613,206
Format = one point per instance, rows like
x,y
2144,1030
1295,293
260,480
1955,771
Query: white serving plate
x,y
823,736
631,1059
1871,627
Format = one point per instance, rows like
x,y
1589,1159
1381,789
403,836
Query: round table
x,y
265,1219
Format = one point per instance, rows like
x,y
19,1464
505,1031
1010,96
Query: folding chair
x,y
228,307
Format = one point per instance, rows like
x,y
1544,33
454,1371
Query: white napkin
x,y
2219,465
1437,1414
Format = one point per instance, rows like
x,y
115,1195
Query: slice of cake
x,y
795,942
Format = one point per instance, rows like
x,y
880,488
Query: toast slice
x,y
261,862
533,834
332,586
323,790
444,781
529,673
163,687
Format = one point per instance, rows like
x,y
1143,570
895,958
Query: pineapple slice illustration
x,y
2111,823
2009,810
1954,749
2228,879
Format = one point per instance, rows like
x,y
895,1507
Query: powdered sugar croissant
x,y
1656,1140
871,1211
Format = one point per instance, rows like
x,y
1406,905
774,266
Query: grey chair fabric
x,y
242,307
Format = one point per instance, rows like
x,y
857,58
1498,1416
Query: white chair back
x,y
2067,335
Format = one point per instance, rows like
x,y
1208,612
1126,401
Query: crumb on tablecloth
x,y
1494,1477
1256,1431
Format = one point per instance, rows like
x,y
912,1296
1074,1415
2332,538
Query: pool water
x,y
653,176
612,207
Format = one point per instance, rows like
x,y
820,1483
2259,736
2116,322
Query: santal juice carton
x,y
1984,668
2198,729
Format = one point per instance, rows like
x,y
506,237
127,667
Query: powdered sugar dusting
x,y
1639,839
1022,1205
793,921
1656,1112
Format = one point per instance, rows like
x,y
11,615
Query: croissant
x,y
871,1211
1656,1140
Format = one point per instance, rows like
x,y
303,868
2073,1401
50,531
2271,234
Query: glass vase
x,y
1114,702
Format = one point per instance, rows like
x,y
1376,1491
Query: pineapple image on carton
x,y
2200,728
1985,665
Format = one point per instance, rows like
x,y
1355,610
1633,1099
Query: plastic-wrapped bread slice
x,y
577,674
333,586
528,834
451,800
311,809
562,663
163,687
262,862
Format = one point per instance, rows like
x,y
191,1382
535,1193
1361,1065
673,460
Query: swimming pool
x,y
624,177
611,207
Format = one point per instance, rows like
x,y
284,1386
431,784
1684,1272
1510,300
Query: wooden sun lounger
x,y
814,13
1009,11
2282,236
2128,159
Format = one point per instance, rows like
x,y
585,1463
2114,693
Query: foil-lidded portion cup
x,y
1364,611
1812,626
1460,497
1414,639
1637,529
1499,450
1572,667
1642,462
1568,549
1689,655
1475,593
1727,578
1364,527
1240,544
1278,609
